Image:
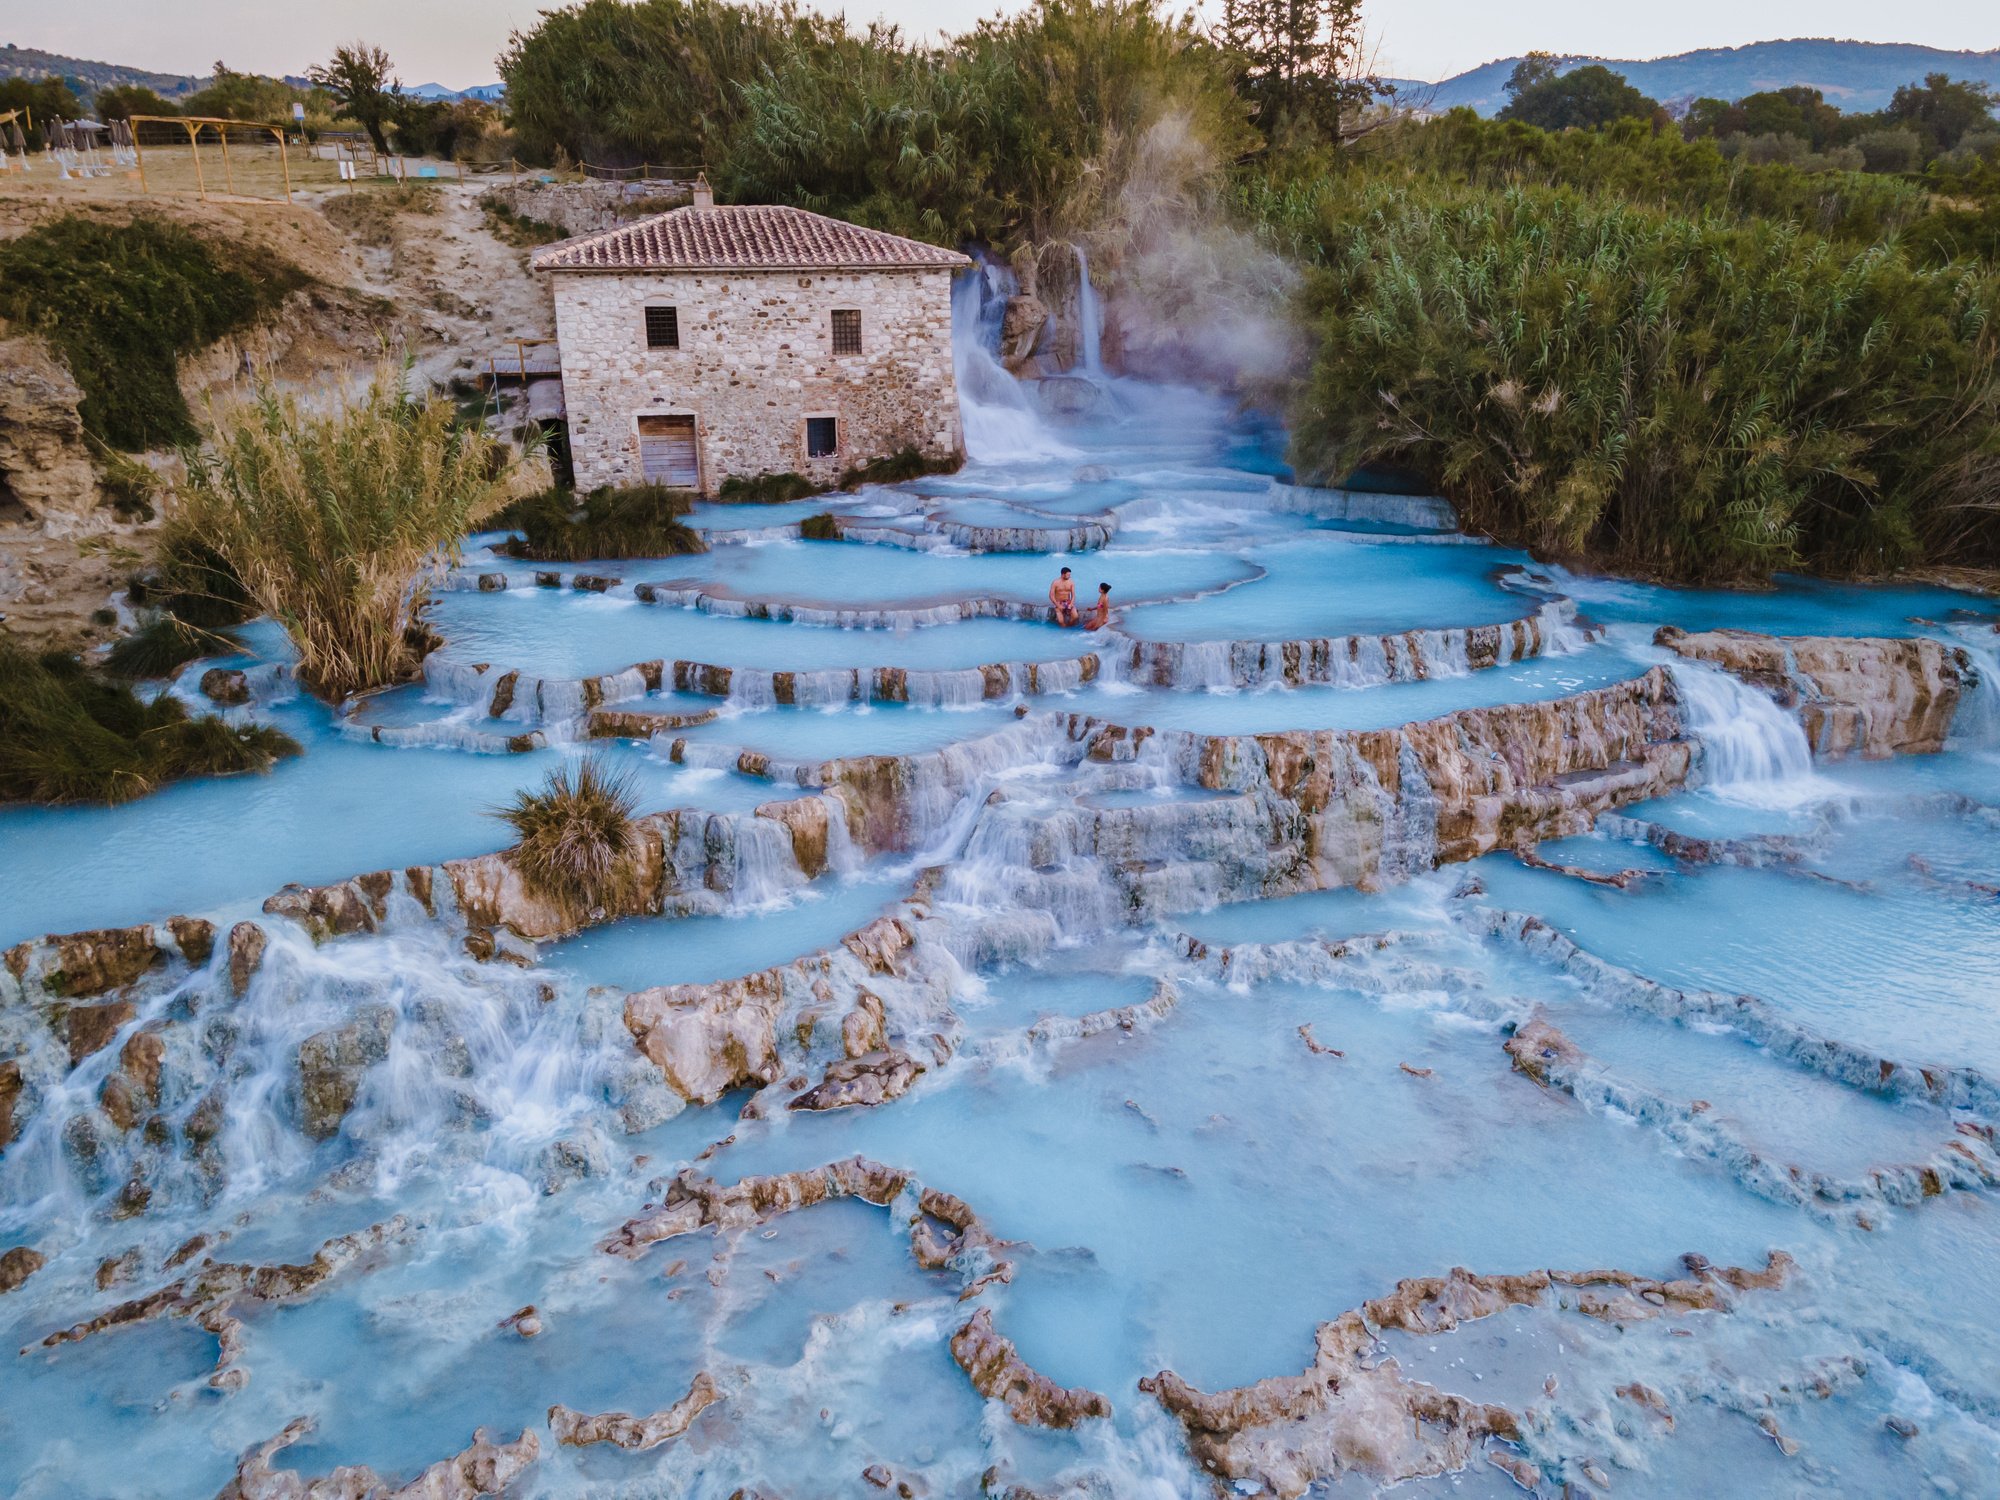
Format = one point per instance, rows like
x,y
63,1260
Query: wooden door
x,y
667,453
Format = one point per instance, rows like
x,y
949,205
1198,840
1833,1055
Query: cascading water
x,y
1753,752
1001,424
1090,318
1026,935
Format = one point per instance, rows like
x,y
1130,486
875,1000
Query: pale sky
x,y
454,42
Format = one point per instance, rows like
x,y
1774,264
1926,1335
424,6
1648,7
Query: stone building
x,y
712,342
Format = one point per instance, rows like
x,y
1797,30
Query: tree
x,y
1532,71
1799,111
231,95
1941,110
362,81
1301,62
1587,97
1711,118
45,99
121,101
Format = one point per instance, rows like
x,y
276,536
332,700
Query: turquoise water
x,y
1195,1160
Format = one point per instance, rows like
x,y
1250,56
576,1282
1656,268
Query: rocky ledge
x,y
1853,695
1353,1412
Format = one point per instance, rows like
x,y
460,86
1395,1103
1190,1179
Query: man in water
x,y
1062,597
1100,613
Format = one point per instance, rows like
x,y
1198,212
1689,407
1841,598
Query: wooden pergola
x,y
194,125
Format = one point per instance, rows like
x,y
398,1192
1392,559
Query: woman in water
x,y
1100,613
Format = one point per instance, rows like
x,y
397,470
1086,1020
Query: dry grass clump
x,y
575,834
641,520
335,521
370,214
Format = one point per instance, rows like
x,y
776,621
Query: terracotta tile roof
x,y
743,238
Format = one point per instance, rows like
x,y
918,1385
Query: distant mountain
x,y
1852,75
486,91
30,62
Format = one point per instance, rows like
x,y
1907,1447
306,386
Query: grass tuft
x,y
162,648
898,468
766,489
508,223
557,525
575,834
69,736
820,528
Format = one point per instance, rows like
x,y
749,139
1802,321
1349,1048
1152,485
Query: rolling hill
x,y
1852,75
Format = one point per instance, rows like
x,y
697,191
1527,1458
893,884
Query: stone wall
x,y
755,360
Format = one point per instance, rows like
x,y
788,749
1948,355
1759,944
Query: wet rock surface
x,y
1351,1413
634,1434
17,1265
332,1064
1854,696
485,1468
1030,1397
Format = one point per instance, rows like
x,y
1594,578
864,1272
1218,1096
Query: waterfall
x,y
1090,314
1976,725
1753,752
999,422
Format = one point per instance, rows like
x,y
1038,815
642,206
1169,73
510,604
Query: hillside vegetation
x,y
123,304
1757,336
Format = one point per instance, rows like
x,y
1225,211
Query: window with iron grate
x,y
663,328
846,330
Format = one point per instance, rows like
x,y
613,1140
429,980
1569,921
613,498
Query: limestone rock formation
x,y
485,1468
227,686
1853,695
635,1434
17,1265
1354,1413
331,1065
46,475
246,955
208,1295
1031,1398
873,1078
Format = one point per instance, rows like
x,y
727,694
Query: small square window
x,y
663,328
822,437
846,330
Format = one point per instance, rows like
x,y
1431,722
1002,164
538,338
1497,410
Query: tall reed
x,y
336,521
1657,391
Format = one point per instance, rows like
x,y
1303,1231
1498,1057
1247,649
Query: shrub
x,y
122,303
1890,149
766,489
1679,396
191,581
334,521
162,648
638,521
525,230
898,468
820,528
575,834
68,736
370,215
